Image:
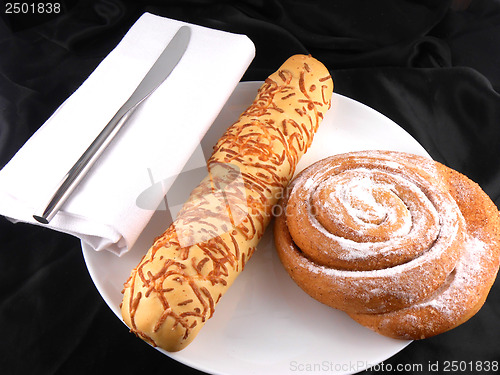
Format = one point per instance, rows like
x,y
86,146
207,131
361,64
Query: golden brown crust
x,y
467,287
415,294
175,288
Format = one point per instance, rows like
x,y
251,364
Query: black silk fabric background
x,y
431,66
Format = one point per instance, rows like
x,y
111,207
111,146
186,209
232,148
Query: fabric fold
x,y
157,140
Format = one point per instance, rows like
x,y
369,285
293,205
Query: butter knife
x,y
160,70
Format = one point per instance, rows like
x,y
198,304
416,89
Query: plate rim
x,y
88,252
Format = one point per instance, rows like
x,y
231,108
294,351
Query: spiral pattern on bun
x,y
375,232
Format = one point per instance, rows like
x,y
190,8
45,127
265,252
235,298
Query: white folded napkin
x,y
153,145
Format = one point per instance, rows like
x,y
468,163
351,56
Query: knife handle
x,y
160,70
71,179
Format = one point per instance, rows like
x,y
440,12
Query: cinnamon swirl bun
x,y
403,244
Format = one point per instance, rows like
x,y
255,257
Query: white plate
x,y
265,324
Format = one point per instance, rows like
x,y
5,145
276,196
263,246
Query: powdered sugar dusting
x,y
358,198
431,224
449,299
426,294
353,189
355,193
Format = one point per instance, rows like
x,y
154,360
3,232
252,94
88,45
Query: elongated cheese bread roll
x,y
174,289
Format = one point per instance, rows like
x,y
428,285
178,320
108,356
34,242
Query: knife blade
x,y
157,74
